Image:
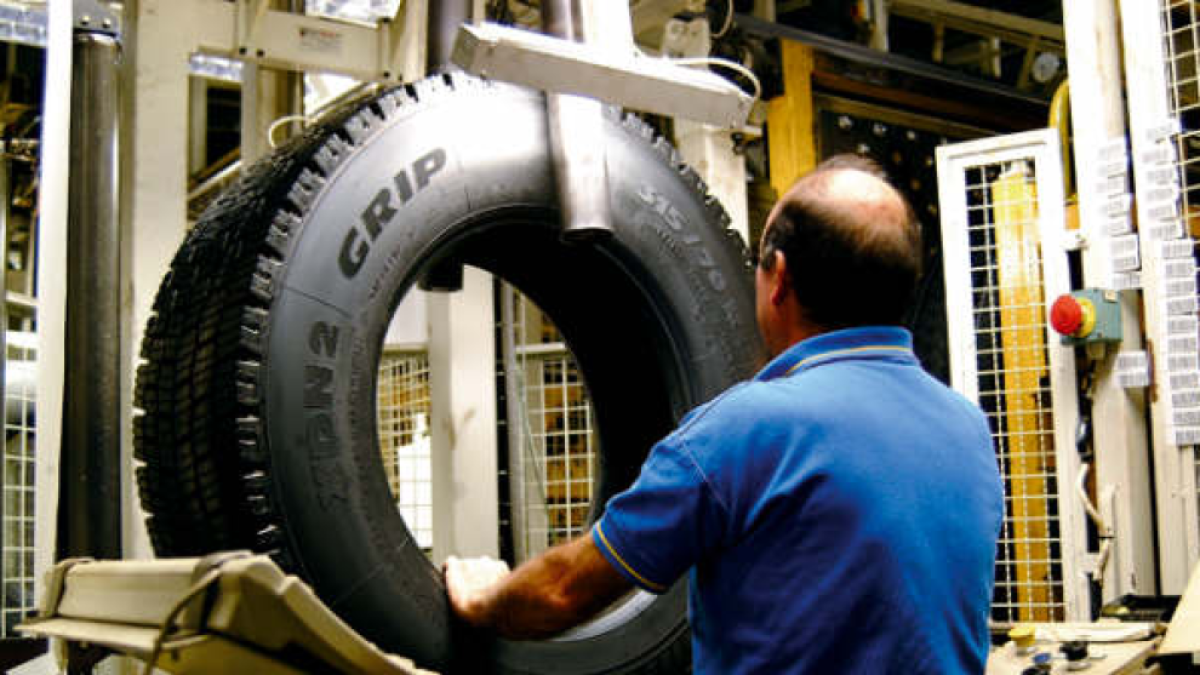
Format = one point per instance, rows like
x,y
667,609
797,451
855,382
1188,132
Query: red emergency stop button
x,y
1072,316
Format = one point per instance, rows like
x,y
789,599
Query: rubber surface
x,y
258,390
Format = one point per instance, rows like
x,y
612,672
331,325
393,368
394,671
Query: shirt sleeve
x,y
658,528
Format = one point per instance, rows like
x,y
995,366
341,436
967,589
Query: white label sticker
x,y
1165,193
1112,150
1182,305
1163,211
1126,281
1117,205
1183,362
1180,267
1186,417
1164,176
1183,325
1184,380
1112,185
1185,436
1166,229
1176,248
1121,224
1161,153
1119,167
1126,263
1185,398
1124,252
1133,369
1163,130
1179,288
1182,344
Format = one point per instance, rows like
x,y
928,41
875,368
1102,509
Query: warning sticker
x,y
321,40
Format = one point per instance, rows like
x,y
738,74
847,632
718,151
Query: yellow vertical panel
x,y
790,128
1022,340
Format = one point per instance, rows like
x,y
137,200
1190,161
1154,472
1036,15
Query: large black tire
x,y
258,390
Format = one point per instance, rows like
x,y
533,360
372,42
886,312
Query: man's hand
x,y
469,582
560,588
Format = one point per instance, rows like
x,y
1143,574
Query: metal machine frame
x,y
1168,276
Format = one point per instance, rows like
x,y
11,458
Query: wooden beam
x,y
791,131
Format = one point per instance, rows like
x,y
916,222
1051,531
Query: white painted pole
x,y
1119,415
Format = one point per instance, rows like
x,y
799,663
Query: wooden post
x,y
791,129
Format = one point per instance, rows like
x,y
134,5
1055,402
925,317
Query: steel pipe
x,y
576,129
444,18
90,486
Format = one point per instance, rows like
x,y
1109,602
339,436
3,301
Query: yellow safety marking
x,y
646,582
791,140
1027,415
848,350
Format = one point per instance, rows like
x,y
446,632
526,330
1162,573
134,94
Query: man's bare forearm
x,y
557,590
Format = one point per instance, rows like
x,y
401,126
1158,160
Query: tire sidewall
x,y
424,176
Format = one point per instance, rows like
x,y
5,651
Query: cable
x,y
724,63
165,629
1102,530
280,122
728,23
1081,489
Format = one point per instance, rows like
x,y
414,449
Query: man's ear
x,y
780,279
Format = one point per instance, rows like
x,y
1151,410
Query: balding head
x,y
851,243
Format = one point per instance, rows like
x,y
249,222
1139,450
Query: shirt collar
x,y
869,342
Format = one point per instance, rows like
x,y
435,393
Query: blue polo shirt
x,y
838,513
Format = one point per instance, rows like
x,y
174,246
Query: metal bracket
x,y
250,16
391,45
576,126
96,17
639,82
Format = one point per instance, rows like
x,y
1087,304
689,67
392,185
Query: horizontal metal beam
x,y
786,6
639,82
1012,28
289,41
857,53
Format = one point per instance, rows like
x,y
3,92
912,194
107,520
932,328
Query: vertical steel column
x,y
576,140
90,497
5,200
515,412
444,18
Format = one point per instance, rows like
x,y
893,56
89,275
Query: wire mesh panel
x,y
18,599
1163,82
559,429
553,446
998,276
1181,23
403,414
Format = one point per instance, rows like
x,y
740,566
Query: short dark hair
x,y
846,270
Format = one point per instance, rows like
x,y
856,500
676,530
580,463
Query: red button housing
x,y
1066,315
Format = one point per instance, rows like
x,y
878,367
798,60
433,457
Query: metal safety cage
x,y
1003,234
1163,95
553,445
402,404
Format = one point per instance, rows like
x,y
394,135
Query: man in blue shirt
x,y
838,513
